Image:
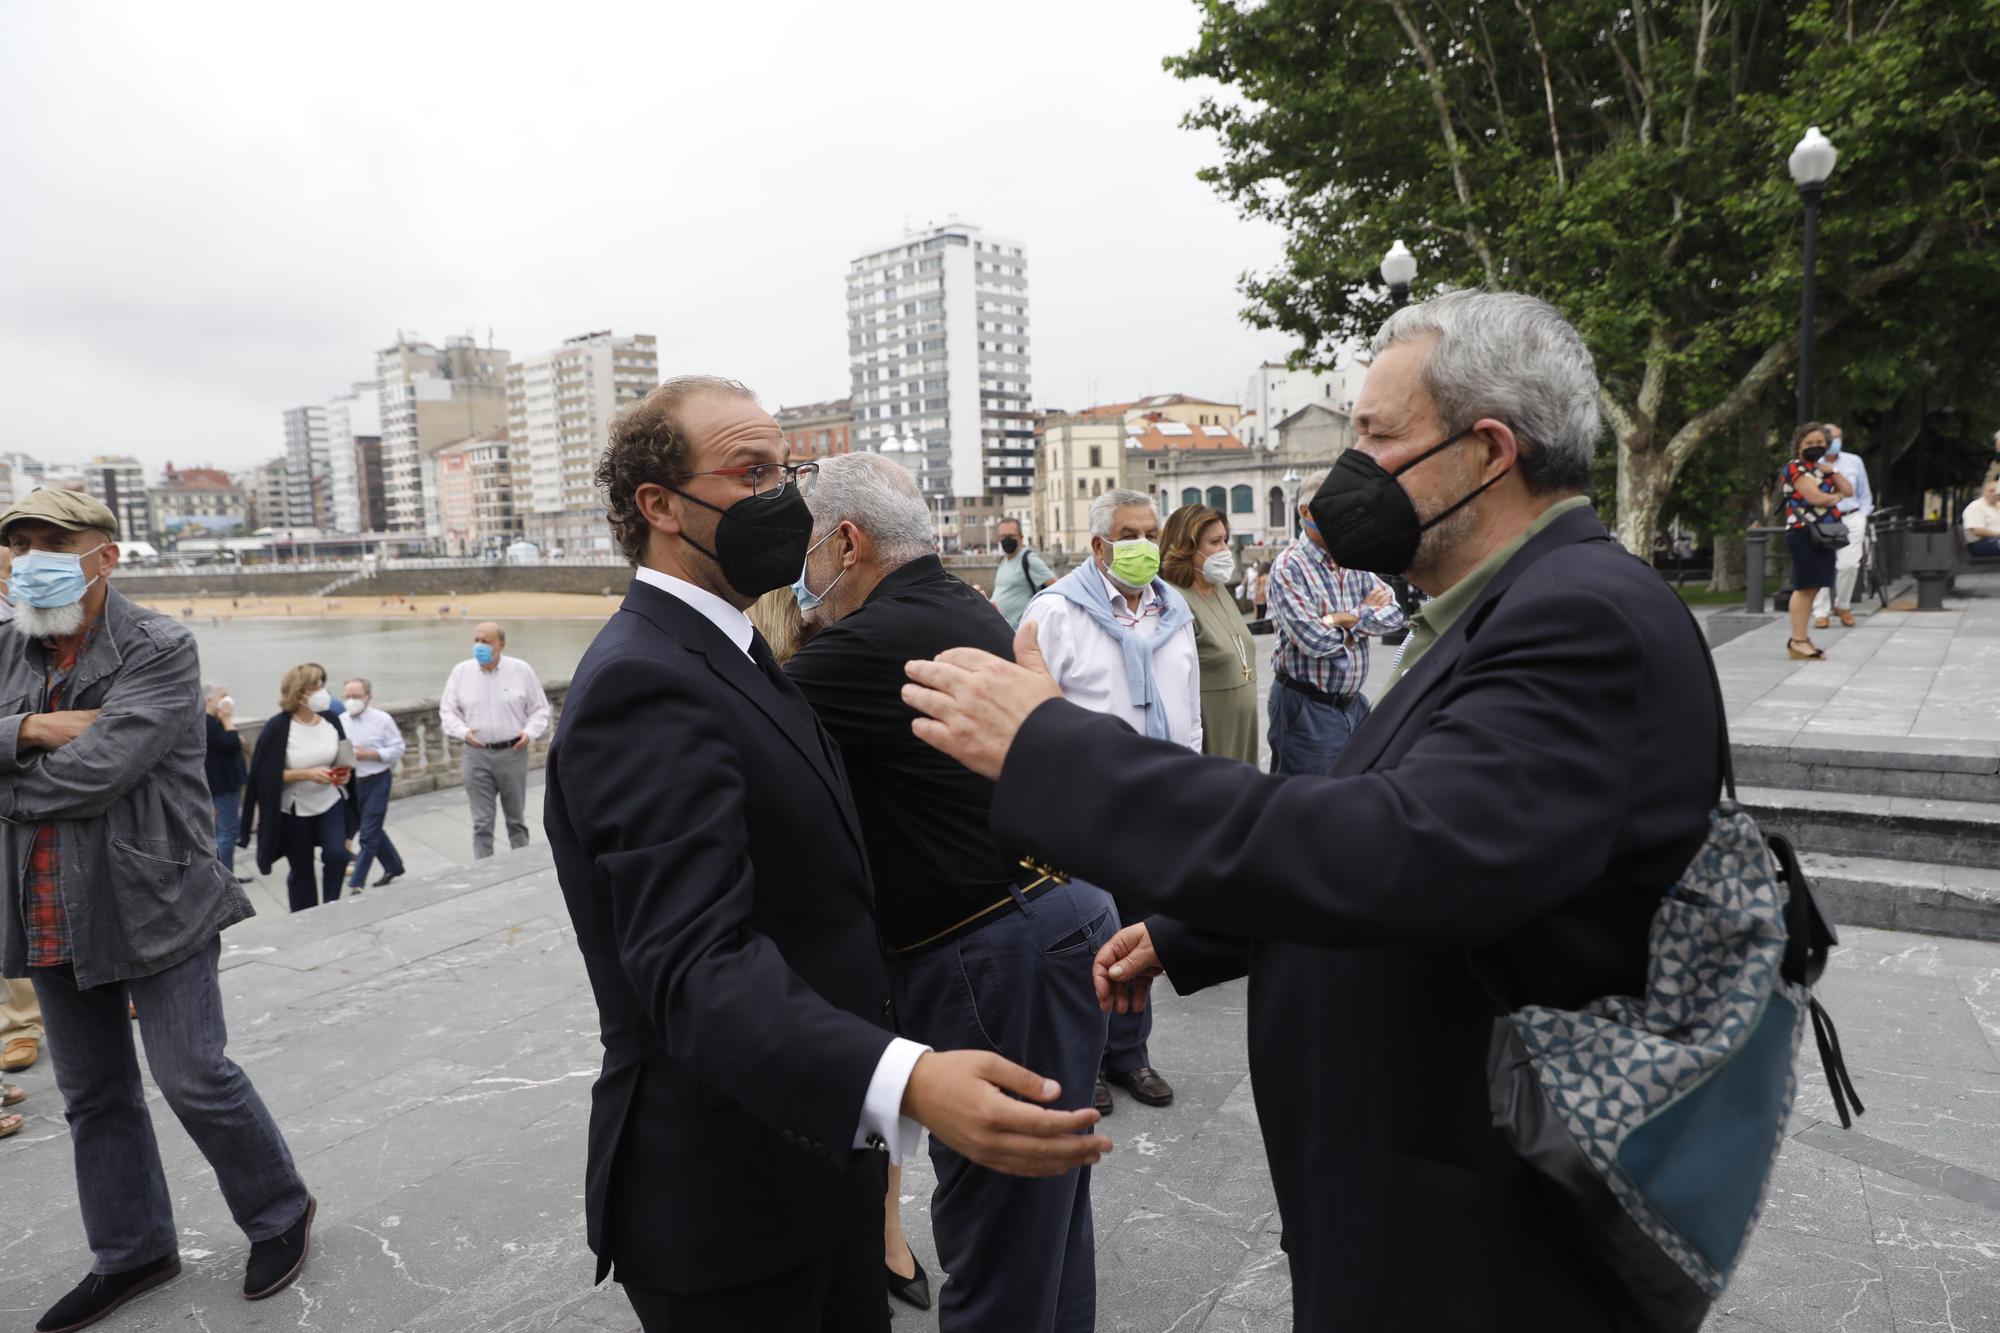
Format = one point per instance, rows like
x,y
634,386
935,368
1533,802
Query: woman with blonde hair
x,y
1195,556
301,785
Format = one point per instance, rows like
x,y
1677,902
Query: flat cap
x,y
66,509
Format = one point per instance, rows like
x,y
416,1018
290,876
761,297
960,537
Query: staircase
x,y
344,581
1891,835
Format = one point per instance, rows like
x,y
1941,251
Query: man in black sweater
x,y
984,951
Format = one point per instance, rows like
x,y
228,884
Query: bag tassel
x,y
1835,1064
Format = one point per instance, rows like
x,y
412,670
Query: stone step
x,y
1932,769
1894,828
1960,901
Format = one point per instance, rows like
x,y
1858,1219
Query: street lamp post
x,y
1811,163
1292,503
1399,270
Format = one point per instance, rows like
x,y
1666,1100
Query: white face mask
x,y
225,702
355,707
1220,568
319,701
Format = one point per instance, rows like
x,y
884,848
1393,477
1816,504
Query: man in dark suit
x,y
1525,793
982,952
711,858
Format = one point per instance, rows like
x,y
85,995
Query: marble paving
x,y
1914,678
429,1050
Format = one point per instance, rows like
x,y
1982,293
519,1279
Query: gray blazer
x,y
128,798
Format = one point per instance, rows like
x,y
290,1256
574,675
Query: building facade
x,y
1256,489
368,495
939,368
1077,458
475,495
266,497
817,430
352,415
559,411
196,502
306,465
120,482
430,396
1275,391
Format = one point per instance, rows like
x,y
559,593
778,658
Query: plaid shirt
x,y
42,910
1306,588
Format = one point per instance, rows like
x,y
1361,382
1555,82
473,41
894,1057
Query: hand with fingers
x,y
971,1100
1124,969
974,703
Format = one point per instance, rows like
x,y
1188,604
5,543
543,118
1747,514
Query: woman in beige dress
x,y
1195,557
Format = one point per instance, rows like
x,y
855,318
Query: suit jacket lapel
x,y
1381,727
794,717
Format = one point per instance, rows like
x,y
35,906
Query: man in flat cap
x,y
113,891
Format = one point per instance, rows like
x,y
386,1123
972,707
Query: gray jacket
x,y
129,800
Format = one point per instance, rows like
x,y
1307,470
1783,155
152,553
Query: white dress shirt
x,y
498,705
882,1115
373,729
315,746
1089,664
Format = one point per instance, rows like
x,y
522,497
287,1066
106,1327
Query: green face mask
x,y
1135,562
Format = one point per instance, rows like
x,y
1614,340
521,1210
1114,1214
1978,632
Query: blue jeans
x,y
1021,1251
373,793
1307,735
1984,546
228,819
128,1215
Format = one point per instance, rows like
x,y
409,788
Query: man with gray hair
x,y
1523,798
985,952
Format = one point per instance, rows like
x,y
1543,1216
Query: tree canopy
x,y
1626,161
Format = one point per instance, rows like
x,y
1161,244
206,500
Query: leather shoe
x,y
1100,1097
388,879
1145,1085
275,1262
1819,622
1846,615
21,1053
97,1296
912,1290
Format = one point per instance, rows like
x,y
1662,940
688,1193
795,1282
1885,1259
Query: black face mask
x,y
1814,454
1010,544
1368,520
760,541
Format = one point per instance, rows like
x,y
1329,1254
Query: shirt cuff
x,y
882,1118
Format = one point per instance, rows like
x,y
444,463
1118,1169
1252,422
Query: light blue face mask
x,y
482,653
48,580
1833,447
807,598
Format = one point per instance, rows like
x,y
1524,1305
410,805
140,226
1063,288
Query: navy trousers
x,y
300,837
1021,1253
373,794
1307,735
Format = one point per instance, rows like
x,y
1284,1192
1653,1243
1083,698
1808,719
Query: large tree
x,y
1627,162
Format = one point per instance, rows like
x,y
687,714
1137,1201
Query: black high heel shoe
x,y
912,1290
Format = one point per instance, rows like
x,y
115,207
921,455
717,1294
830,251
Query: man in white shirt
x,y
1982,521
495,705
378,748
1119,640
709,850
1854,511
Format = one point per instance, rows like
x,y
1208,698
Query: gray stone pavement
x,y
1921,677
429,1049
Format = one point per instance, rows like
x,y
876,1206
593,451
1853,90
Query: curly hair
x,y
648,446
299,682
1179,539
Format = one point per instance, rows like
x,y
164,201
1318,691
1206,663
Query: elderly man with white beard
x,y
113,890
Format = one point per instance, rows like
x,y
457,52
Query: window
x,y
1096,456
1218,499
1190,496
1242,500
1274,508
1081,487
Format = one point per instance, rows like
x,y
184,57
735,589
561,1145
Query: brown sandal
x,y
1792,647
11,1095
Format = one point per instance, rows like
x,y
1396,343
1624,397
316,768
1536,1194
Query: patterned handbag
x,y
1652,1121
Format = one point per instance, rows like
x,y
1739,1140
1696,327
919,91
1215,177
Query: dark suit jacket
x,y
712,863
1528,791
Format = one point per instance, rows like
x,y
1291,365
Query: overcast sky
x,y
214,212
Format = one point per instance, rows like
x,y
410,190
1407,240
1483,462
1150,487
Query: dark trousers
x,y
228,820
1984,546
1125,1042
301,836
1308,734
840,1293
128,1215
373,793
1021,1253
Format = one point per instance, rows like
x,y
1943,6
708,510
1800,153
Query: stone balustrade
x,y
432,759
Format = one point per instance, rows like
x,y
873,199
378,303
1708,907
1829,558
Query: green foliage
x,y
1626,161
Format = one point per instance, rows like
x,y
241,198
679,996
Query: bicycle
x,y
1868,577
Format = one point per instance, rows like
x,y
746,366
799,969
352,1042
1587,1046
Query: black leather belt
x,y
1300,687
1040,880
507,744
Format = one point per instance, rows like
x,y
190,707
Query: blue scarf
x,y
1084,587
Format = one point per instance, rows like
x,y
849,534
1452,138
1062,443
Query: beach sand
x,y
488,606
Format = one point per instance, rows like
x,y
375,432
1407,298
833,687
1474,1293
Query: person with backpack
x,y
1497,841
1020,575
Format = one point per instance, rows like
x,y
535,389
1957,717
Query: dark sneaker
x,y
97,1296
275,1262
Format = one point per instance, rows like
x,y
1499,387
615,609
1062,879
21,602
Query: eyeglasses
x,y
767,479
